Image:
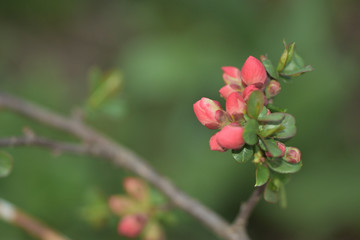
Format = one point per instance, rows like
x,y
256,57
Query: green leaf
x,y
269,130
274,118
270,69
274,108
291,51
109,85
6,164
289,128
283,58
297,72
255,104
262,175
250,132
243,155
295,67
281,166
271,146
271,193
263,112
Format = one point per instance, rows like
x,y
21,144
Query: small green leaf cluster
x,y
289,66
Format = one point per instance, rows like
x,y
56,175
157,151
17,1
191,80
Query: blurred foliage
x,y
170,54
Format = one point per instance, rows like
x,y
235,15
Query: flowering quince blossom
x,y
252,127
239,86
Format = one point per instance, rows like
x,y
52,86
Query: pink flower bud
x,y
120,204
131,225
231,75
273,88
235,106
214,145
209,113
253,72
281,146
229,89
136,188
292,155
230,136
247,91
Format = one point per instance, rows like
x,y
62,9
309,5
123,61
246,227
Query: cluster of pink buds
x,y
136,211
251,125
236,92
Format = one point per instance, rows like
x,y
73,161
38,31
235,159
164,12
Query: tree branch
x,y
101,146
11,214
45,143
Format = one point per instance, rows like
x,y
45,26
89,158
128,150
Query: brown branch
x,y
246,209
121,156
11,214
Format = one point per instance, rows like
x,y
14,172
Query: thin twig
x,y
246,209
13,215
125,158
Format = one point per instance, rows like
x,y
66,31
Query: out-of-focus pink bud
x,y
292,155
247,91
230,136
131,225
209,113
281,146
231,75
214,145
272,89
136,188
235,106
120,204
253,72
268,112
229,89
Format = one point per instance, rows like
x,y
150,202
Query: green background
x,y
170,53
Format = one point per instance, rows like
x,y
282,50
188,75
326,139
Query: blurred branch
x,y
101,146
246,209
11,214
56,146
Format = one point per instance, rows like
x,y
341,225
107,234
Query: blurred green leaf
x,y
6,164
274,118
272,147
269,130
283,58
109,85
291,50
274,108
289,128
271,193
296,67
270,69
250,132
95,210
94,76
262,175
243,155
281,166
255,104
